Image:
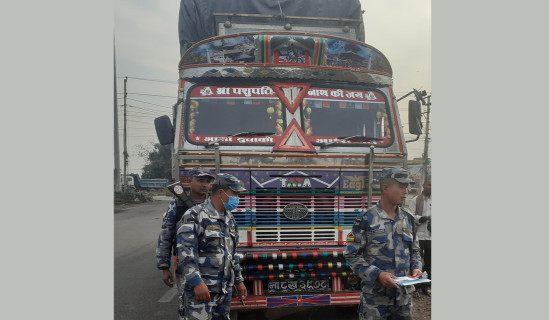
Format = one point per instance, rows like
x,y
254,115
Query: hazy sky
x,y
147,47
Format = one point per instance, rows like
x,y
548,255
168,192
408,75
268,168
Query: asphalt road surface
x,y
140,294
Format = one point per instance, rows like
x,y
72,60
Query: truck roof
x,y
197,19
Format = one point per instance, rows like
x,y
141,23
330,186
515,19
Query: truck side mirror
x,y
414,117
164,130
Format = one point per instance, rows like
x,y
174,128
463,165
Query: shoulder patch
x,y
350,237
213,227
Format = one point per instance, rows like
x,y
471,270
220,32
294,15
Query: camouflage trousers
x,y
216,309
367,310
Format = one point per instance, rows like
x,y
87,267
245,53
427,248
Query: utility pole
x,y
116,146
125,139
426,147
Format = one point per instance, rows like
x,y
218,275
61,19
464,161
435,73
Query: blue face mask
x,y
232,203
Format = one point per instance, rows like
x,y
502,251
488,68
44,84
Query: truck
x,y
134,181
288,98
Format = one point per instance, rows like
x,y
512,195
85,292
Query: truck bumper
x,y
264,302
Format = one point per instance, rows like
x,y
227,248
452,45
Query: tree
x,y
159,162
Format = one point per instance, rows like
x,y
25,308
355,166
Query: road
x,y
140,294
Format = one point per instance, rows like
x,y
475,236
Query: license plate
x,y
299,285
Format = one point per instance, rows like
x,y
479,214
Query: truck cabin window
x,y
215,112
349,115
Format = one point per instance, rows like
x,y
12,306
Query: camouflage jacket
x,y
167,236
206,246
378,244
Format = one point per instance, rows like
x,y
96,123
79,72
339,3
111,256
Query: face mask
x,y
232,203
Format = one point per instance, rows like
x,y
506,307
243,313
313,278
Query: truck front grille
x,y
296,234
327,213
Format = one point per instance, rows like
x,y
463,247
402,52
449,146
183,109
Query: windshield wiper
x,y
242,134
355,137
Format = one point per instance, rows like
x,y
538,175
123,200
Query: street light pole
x,y
125,139
116,134
426,147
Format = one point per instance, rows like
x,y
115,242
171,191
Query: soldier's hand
x,y
424,219
167,277
202,293
415,272
385,278
241,291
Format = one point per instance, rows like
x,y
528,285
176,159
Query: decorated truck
x,y
289,99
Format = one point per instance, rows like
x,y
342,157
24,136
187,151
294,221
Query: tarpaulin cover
x,y
196,20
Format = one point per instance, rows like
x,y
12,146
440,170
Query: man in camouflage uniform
x,y
200,181
206,245
382,246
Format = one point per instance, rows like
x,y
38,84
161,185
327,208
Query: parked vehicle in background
x,y
134,181
130,183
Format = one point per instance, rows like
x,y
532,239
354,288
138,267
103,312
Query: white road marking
x,y
168,296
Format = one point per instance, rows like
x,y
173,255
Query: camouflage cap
x,y
398,174
225,179
200,172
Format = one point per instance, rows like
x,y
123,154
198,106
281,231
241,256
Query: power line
x,y
144,136
152,95
134,115
139,121
152,112
154,80
135,120
138,128
154,104
147,114
159,112
136,135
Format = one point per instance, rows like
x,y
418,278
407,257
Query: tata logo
x,y
295,211
295,182
354,182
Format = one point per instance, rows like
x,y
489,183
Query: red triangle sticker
x,y
294,132
280,88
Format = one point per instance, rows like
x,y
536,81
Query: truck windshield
x,y
214,112
332,113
